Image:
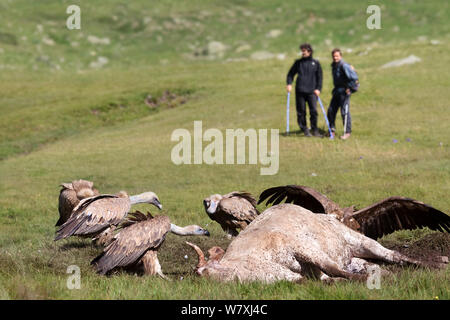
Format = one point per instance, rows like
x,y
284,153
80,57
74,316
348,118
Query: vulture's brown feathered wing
x,y
236,205
397,213
70,196
302,196
93,215
131,243
67,201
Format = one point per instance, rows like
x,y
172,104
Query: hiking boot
x,y
307,133
316,133
345,136
333,132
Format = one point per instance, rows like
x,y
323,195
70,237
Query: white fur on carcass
x,y
288,242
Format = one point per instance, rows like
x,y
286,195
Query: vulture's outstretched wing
x,y
130,244
238,206
397,213
302,196
93,215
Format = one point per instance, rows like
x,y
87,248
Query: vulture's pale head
x,y
147,197
211,203
194,230
191,230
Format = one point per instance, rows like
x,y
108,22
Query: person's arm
x,y
319,79
291,75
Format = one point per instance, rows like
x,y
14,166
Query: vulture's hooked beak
x,y
211,206
157,204
201,232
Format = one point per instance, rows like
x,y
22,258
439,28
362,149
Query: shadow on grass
x,y
299,133
137,270
76,245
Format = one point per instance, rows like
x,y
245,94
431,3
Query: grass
x,y
61,124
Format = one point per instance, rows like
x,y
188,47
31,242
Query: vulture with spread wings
x,y
95,215
137,243
381,218
232,211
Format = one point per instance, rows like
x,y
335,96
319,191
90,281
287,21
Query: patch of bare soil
x,y
168,98
432,248
178,259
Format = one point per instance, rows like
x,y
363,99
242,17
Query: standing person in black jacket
x,y
307,88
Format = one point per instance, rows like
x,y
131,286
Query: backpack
x,y
353,80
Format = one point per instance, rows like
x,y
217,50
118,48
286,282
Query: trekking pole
x,y
326,119
345,118
287,112
346,114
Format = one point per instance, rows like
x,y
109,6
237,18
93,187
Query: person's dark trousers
x,y
301,98
339,100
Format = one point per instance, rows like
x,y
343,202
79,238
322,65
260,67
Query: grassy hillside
x,y
64,118
33,35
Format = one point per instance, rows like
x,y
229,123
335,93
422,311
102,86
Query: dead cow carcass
x,y
288,242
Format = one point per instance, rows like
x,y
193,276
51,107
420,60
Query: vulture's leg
x,y
162,275
151,264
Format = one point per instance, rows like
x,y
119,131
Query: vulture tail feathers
x,y
59,222
69,227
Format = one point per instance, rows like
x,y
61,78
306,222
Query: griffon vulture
x,y
138,242
70,196
232,211
94,215
381,218
288,242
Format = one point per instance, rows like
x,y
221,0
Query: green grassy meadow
x,y
65,118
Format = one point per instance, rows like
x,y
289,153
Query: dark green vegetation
x,y
64,118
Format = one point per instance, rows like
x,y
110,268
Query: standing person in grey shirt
x,y
307,88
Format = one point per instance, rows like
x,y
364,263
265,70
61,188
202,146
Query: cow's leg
x,y
331,268
317,273
327,279
293,276
327,266
358,265
371,249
